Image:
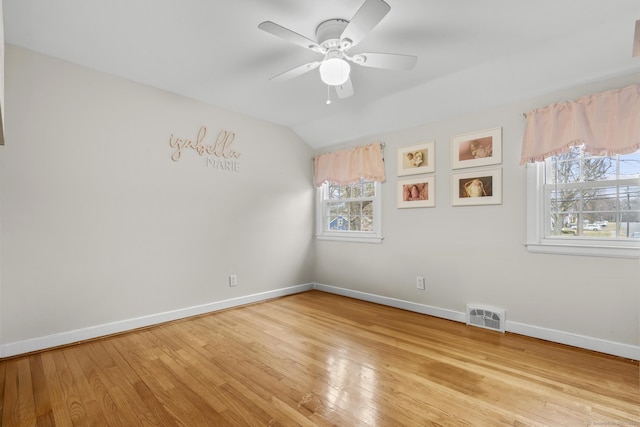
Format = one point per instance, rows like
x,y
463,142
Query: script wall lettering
x,y
222,154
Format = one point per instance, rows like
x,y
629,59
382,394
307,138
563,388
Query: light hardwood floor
x,y
318,359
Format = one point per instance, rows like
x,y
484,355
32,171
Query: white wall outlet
x,y
233,280
420,282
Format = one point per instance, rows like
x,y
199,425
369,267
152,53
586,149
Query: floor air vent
x,y
486,317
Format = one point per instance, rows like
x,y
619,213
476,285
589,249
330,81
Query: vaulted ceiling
x,y
471,54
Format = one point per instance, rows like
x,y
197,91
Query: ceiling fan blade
x,y
391,61
344,90
295,72
366,18
636,40
288,35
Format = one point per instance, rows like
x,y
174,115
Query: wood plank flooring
x,y
317,359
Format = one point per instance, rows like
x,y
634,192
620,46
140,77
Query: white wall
x,y
99,225
476,253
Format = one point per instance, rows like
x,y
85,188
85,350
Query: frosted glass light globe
x,y
334,71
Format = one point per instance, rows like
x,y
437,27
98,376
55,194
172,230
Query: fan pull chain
x,y
328,95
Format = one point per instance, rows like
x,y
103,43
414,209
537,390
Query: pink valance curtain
x,y
606,123
348,166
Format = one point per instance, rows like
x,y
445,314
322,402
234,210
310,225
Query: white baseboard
x,y
70,337
589,343
596,344
393,302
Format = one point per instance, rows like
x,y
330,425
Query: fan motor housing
x,y
328,32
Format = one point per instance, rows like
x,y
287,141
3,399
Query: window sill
x,y
354,239
568,248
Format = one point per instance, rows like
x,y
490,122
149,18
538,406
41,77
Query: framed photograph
x,y
476,149
417,192
477,187
417,159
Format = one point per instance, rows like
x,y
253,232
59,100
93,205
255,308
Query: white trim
x,y
535,180
374,236
354,239
70,337
561,337
393,302
538,243
603,346
544,247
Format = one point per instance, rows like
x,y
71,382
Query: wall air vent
x,y
486,317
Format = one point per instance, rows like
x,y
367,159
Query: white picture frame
x,y
477,187
417,192
417,159
482,148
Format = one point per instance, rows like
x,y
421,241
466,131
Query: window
x,y
580,204
349,212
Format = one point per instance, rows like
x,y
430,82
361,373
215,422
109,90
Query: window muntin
x,y
349,211
584,205
350,207
592,197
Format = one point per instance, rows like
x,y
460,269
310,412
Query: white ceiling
x,y
471,54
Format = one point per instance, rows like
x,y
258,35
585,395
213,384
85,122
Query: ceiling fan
x,y
335,37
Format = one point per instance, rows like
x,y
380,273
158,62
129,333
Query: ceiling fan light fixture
x,y
334,71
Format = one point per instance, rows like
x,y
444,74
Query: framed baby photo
x,y
417,192
474,149
417,159
477,187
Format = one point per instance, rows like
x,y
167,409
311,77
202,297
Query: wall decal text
x,y
224,155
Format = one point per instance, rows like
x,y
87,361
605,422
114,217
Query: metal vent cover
x,y
486,317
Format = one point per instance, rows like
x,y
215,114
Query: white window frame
x,y
322,229
537,242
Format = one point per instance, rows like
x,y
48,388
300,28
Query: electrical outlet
x,y
233,280
420,282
